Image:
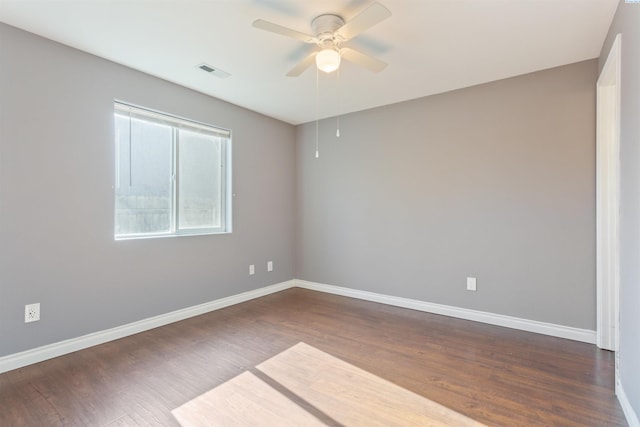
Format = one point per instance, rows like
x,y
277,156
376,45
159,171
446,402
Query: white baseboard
x,y
18,360
629,413
39,354
551,329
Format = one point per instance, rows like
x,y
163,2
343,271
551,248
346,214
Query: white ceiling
x,y
432,46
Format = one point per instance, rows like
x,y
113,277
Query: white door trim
x,y
608,200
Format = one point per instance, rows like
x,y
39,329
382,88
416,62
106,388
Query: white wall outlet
x,y
471,283
31,312
270,266
252,270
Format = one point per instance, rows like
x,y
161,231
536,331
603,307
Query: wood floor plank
x,y
496,376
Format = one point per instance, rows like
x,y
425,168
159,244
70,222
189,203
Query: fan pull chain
x,y
317,110
317,150
339,99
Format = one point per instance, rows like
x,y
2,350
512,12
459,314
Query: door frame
x,y
608,201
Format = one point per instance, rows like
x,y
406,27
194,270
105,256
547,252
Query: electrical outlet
x,y
270,266
31,312
471,283
252,270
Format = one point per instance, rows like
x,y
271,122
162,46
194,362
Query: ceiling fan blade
x,y
283,31
363,60
363,21
302,65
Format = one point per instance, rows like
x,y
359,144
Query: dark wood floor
x,y
498,376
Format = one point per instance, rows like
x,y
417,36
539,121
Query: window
x,y
172,175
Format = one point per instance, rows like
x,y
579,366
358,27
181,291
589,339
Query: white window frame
x,y
177,123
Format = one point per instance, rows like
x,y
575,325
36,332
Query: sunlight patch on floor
x,y
339,391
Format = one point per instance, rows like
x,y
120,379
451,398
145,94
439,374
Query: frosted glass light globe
x,y
328,60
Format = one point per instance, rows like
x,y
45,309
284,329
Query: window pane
x,y
200,199
143,180
171,176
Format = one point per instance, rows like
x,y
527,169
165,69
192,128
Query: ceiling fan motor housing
x,y
325,27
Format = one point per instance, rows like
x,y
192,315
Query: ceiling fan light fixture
x,y
328,60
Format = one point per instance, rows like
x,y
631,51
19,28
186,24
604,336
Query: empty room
x,y
331,213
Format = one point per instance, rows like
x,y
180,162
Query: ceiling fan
x,y
331,31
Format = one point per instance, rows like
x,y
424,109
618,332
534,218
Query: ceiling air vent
x,y
213,70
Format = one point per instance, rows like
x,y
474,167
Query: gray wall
x,y
627,22
495,181
57,202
